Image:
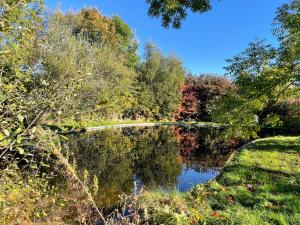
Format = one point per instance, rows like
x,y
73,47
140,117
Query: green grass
x,y
261,185
97,123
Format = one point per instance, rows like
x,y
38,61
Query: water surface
x,y
125,160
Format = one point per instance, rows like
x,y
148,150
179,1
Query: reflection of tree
x,y
160,165
201,149
104,154
152,155
115,156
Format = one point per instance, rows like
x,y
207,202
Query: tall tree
x,y
96,82
158,84
287,31
127,41
100,29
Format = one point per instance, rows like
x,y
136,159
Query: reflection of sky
x,y
190,177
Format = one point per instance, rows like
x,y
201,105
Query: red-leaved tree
x,y
198,92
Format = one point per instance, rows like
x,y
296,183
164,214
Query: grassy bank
x,y
69,123
96,123
261,185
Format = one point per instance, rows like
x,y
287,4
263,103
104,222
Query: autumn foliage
x,y
197,93
204,146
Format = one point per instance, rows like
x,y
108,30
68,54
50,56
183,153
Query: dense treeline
x,y
114,83
97,57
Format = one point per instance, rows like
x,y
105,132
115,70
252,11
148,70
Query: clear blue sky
x,y
205,40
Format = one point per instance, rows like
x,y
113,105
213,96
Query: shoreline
x,y
153,124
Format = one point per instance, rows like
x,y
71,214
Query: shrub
x,y
289,113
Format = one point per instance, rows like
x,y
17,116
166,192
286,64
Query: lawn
x,y
261,185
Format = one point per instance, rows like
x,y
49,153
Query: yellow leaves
x,y
172,5
4,143
96,26
45,83
2,136
95,184
10,86
19,139
33,130
85,176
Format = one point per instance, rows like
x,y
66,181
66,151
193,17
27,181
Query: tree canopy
x,y
158,82
90,24
172,12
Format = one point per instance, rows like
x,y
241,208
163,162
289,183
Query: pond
x,y
126,160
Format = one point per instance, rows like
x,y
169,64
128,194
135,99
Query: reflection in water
x,y
126,159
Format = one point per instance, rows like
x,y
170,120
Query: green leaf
x,y
2,97
64,137
19,139
20,118
4,143
20,150
2,136
34,167
33,130
19,130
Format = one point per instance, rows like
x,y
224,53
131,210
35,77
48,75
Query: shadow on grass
x,y
276,145
259,187
252,186
242,175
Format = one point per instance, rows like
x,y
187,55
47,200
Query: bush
x,y
289,113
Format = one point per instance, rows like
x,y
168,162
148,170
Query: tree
x,y
287,31
264,75
19,21
158,83
198,92
96,83
128,43
173,12
99,29
94,26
